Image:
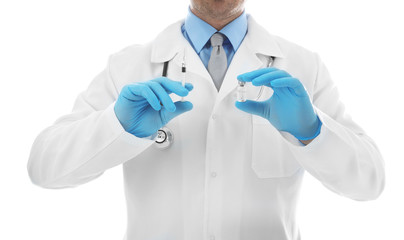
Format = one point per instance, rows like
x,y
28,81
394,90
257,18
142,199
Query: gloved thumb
x,y
252,107
180,107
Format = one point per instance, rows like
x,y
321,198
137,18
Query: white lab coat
x,y
228,174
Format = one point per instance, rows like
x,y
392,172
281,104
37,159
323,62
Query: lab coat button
x,y
213,174
214,116
212,237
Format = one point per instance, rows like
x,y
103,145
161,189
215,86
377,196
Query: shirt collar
x,y
236,30
200,31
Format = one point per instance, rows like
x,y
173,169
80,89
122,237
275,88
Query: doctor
x,y
233,169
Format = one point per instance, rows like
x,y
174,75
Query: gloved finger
x,y
162,95
292,83
253,107
265,79
188,86
181,107
144,91
249,76
174,86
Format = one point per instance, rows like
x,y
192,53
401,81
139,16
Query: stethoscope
x,y
165,136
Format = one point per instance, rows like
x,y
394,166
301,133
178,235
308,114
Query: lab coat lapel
x,y
195,65
171,45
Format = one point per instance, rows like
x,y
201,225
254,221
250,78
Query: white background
x,y
50,50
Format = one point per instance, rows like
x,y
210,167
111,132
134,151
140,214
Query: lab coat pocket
x,y
271,157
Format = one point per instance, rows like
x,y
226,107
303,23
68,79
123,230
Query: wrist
x,y
306,142
310,138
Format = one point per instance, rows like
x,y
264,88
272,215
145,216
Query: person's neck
x,y
218,24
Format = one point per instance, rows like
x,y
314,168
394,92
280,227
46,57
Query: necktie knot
x,y
217,39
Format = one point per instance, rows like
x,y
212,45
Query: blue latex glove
x,y
143,108
288,109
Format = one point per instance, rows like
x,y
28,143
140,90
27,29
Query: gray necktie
x,y
217,65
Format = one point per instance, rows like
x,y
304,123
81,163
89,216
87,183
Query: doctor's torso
x,y
227,174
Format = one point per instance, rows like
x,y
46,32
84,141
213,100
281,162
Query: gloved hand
x,y
138,107
288,109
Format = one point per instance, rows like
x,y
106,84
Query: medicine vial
x,y
241,92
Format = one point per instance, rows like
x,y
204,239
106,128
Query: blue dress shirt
x,y
198,33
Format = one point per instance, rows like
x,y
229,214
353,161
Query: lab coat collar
x,y
259,41
171,41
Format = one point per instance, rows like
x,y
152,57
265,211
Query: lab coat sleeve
x,y
342,157
80,146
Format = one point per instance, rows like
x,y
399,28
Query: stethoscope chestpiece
x,y
164,138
